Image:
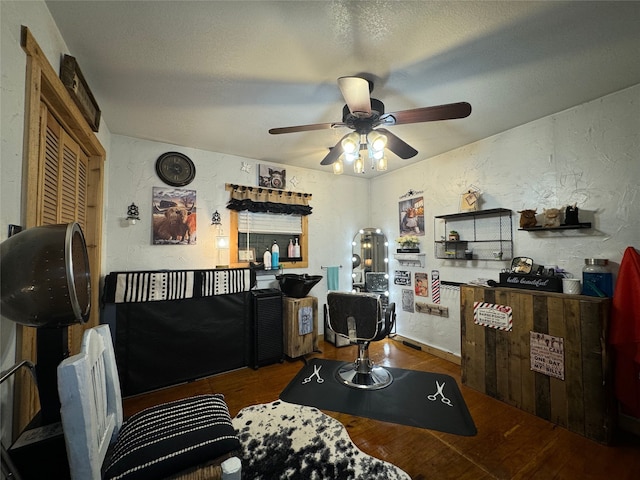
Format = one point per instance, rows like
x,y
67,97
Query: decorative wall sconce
x,y
133,214
215,219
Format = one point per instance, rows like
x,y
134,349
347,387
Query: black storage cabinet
x,y
267,330
158,344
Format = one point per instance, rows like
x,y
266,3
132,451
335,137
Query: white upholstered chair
x,y
174,440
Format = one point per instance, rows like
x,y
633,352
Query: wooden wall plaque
x,y
77,87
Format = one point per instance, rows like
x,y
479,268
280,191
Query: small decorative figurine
x,y
528,218
551,217
571,215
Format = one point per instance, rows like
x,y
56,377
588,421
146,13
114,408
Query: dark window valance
x,y
268,200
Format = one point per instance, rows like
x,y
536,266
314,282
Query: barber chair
x,y
184,439
360,318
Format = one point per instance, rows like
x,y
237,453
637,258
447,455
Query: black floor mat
x,y
406,401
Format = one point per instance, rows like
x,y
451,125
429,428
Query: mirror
x,y
370,262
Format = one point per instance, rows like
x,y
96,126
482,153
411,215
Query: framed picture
x,y
402,277
411,213
422,284
174,216
407,300
469,201
272,177
247,255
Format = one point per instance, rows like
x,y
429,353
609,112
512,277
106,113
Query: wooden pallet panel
x,y
498,362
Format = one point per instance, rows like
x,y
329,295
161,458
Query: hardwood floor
x,y
510,444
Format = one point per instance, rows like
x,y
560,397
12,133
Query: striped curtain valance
x,y
259,199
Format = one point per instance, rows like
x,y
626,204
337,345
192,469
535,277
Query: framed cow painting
x,y
174,216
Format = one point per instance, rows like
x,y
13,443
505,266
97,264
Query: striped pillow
x,y
175,436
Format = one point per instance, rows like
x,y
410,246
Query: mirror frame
x,y
358,277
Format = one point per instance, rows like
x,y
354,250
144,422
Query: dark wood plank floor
x,y
510,444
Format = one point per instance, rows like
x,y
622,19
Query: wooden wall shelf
x,y
579,226
410,259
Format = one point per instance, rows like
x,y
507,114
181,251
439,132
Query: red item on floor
x,y
624,333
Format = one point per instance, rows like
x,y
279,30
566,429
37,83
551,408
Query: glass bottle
x,y
597,280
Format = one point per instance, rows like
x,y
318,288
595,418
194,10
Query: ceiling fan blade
x,y
355,91
428,114
397,145
334,153
305,128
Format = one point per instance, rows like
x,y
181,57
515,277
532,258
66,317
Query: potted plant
x,y
454,236
408,244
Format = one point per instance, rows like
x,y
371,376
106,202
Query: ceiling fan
x,y
363,114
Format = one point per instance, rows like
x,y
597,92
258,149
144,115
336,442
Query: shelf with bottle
x,y
477,235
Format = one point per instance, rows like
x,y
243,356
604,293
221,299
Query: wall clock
x,y
175,169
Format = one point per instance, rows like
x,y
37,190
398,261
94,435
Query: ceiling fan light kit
x,y
381,164
351,143
363,114
376,141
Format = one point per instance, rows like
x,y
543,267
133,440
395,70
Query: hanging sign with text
x,y
402,277
547,354
493,316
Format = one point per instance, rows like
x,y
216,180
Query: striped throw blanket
x,y
150,286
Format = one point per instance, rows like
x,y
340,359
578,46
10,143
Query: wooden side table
x,y
300,315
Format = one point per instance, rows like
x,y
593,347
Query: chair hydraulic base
x,y
363,374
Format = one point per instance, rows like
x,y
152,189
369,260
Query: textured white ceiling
x,y
216,75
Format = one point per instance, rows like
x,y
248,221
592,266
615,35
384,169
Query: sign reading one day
x,y
494,316
547,354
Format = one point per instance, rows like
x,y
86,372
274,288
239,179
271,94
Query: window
x,y
256,231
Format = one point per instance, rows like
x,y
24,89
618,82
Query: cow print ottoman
x,y
285,441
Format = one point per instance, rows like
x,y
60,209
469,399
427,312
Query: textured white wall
x,y
589,155
340,206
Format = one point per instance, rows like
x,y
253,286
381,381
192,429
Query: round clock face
x,y
175,169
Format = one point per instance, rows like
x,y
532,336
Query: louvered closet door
x,y
62,186
63,194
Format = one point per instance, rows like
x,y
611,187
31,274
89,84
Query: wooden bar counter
x,y
497,361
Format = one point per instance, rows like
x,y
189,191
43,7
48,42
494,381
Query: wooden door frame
x,y
44,85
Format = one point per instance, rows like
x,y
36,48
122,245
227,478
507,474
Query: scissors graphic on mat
x,y
316,373
441,393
